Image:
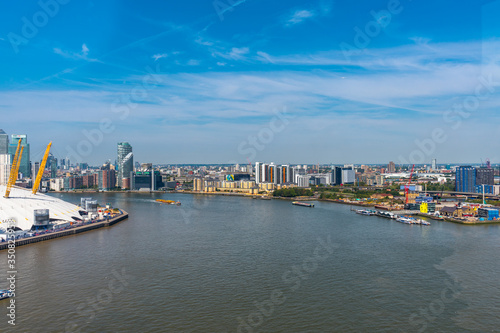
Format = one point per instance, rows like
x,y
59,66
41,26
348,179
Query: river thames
x,y
233,264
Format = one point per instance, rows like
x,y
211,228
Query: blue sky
x,y
194,81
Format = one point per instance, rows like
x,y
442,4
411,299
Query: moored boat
x,y
303,204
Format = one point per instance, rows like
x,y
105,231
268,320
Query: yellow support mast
x,y
14,170
42,169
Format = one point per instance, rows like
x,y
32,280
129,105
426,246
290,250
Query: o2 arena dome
x,y
32,210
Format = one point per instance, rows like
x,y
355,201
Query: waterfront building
x,y
4,142
24,166
198,184
146,181
106,179
22,207
272,176
57,184
125,162
286,175
302,180
465,179
5,166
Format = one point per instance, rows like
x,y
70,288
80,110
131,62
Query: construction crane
x,y
14,170
407,189
42,169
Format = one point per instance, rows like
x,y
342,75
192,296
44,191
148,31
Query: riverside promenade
x,y
67,232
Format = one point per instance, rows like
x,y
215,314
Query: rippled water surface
x,y
232,264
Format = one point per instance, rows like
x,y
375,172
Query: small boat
x,y
303,204
404,220
364,212
170,202
422,222
5,294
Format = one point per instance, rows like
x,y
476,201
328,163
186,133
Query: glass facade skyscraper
x,y
24,167
125,162
4,142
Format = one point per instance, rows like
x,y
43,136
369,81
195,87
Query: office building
x,y
125,162
302,180
146,181
434,165
4,142
336,175
465,179
348,175
24,167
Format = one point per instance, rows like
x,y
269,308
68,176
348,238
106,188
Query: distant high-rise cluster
x,y
285,174
474,180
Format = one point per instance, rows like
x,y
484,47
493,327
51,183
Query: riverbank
x,y
67,232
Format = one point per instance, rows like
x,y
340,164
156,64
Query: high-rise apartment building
x,y
125,162
391,167
5,165
465,179
485,176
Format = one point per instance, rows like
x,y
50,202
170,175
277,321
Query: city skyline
x,y
356,82
114,159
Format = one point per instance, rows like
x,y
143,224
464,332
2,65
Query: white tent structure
x,y
21,204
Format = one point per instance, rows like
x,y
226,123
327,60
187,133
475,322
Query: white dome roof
x,y
21,205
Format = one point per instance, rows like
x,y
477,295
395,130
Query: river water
x,y
233,264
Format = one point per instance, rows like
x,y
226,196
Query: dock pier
x,y
67,232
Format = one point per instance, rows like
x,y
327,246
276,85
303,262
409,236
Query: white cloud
x,y
235,53
85,50
299,16
82,55
193,62
159,56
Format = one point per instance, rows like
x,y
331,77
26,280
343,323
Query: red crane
x,y
407,189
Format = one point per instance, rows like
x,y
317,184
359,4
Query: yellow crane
x,y
42,168
14,170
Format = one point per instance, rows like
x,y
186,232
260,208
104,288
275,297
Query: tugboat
x,y
170,202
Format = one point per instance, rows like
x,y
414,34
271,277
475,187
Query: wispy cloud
x,y
299,16
235,53
82,55
193,62
159,56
